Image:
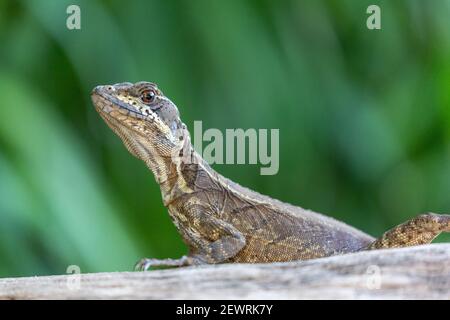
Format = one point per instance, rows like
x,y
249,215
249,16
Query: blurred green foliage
x,y
364,116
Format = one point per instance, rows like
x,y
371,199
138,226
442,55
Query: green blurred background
x,y
364,116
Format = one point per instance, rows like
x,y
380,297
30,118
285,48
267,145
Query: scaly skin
x,y
219,220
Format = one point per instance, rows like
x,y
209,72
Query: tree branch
x,y
421,272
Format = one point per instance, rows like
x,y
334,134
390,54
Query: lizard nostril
x,y
96,90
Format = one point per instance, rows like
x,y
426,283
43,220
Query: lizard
x,y
219,220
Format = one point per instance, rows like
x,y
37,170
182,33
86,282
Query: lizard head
x,y
147,121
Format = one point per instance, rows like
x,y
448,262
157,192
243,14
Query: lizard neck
x,y
181,173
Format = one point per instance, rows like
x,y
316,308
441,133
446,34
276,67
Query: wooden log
x,y
421,272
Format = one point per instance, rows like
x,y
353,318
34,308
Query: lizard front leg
x,y
145,263
211,240
420,230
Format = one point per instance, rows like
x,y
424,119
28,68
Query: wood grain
x,y
421,272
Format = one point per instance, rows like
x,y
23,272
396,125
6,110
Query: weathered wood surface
x,y
409,273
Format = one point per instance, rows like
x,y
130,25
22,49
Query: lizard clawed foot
x,y
145,263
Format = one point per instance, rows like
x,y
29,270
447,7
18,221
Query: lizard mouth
x,y
105,101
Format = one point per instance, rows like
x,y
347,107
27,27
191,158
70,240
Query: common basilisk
x,y
219,220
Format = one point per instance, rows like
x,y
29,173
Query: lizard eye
x,y
148,96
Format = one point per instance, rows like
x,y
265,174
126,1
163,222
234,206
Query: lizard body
x,y
219,220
